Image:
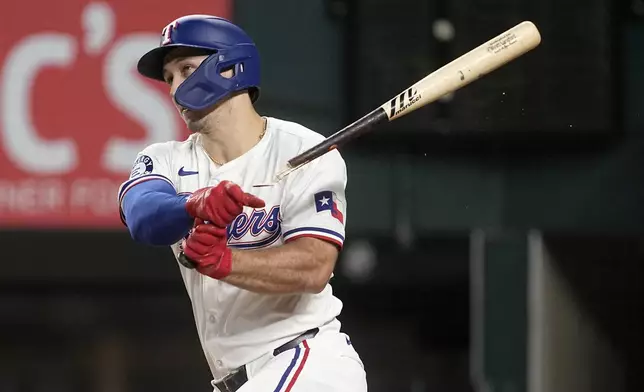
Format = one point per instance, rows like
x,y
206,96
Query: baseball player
x,y
259,264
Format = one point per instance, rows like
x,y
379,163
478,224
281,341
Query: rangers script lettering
x,y
257,229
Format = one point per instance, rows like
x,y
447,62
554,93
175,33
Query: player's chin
x,y
194,126
193,121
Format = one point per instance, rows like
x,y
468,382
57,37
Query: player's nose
x,y
172,91
176,82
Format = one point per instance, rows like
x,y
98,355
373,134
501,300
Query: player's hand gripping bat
x,y
462,71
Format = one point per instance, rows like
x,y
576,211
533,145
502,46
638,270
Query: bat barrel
x,y
350,132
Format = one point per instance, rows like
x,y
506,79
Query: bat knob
x,y
186,261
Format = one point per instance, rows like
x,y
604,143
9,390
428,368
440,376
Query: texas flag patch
x,y
327,201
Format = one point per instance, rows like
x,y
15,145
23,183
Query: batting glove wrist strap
x,y
206,250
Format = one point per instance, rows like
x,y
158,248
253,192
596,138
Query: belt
x,y
235,380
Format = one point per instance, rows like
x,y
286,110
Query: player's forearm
x,y
155,214
303,266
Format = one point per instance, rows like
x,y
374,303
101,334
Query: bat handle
x,y
186,261
350,132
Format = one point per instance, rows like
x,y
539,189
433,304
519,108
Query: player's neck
x,y
234,130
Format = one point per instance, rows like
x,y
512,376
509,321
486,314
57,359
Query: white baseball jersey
x,y
236,326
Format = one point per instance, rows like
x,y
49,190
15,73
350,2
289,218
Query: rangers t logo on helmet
x,y
166,34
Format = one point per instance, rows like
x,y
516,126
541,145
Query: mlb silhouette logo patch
x,y
143,165
328,201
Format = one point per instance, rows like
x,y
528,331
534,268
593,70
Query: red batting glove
x,y
221,204
206,248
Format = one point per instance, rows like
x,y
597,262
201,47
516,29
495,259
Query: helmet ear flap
x,y
253,91
239,69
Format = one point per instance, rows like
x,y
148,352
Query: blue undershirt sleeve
x,y
155,214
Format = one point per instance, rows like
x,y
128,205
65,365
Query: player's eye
x,y
187,69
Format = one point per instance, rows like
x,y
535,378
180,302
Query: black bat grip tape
x,y
186,261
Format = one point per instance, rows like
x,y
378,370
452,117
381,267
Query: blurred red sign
x,y
73,110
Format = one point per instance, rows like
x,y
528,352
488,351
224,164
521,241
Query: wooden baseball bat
x,y
474,64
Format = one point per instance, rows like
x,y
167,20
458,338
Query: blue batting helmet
x,y
229,47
